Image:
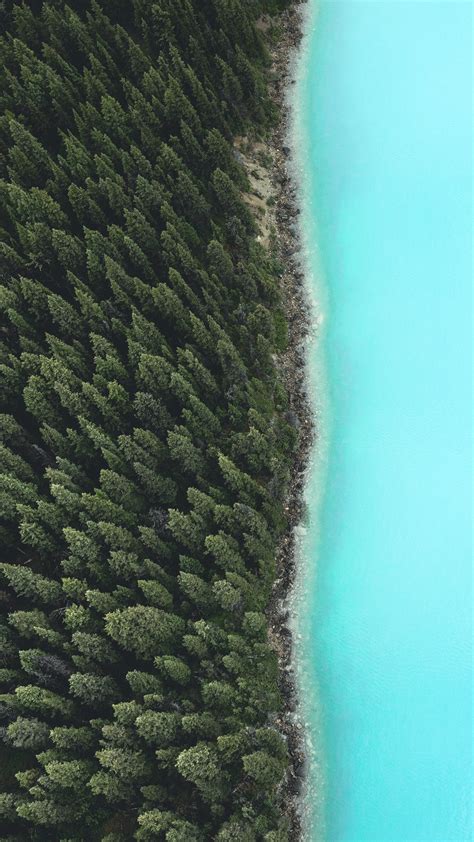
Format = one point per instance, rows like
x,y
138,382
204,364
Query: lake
x,y
383,146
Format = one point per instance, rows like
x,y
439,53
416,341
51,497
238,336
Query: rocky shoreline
x,y
292,364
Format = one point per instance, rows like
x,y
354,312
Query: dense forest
x,y
145,434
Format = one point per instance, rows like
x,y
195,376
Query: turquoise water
x,y
383,128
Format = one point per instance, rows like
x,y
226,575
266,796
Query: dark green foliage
x,y
143,447
144,630
28,733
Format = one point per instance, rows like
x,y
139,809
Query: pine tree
x,y
144,630
93,690
141,320
158,728
28,733
200,765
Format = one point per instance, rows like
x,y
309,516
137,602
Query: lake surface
x,y
383,137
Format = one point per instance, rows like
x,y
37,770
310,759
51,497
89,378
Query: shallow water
x,y
383,132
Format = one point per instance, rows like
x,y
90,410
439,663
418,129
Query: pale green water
x,y
383,131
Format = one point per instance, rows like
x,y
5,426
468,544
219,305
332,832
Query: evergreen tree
x,y
143,448
144,630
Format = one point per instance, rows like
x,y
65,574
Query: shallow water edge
x,y
292,364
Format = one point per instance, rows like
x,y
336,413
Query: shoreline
x,y
292,366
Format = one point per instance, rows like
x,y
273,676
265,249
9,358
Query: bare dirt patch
x,y
257,158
